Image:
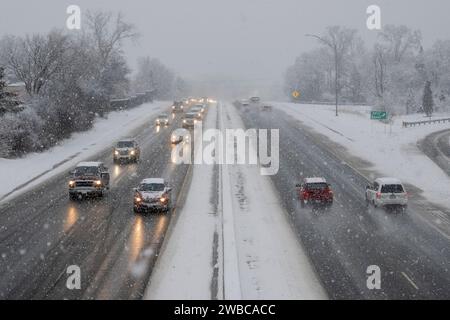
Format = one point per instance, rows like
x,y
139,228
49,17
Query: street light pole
x,y
333,47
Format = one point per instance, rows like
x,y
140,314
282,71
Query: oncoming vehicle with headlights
x,y
198,109
88,179
177,106
180,135
190,119
162,120
152,195
126,150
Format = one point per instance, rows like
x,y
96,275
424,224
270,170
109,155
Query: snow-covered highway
x,y
236,234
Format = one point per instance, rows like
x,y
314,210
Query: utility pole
x,y
333,46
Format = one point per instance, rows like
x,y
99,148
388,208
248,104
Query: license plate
x,y
392,196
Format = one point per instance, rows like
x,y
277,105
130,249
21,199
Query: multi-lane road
x,y
342,241
42,232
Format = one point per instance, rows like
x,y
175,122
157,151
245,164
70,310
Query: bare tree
x,y
108,33
400,40
34,59
340,41
154,75
380,66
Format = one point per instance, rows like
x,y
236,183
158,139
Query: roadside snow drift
x,y
21,174
391,149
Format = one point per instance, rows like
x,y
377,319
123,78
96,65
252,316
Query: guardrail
x,y
330,103
407,124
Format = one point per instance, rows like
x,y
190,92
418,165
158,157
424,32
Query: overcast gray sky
x,y
244,39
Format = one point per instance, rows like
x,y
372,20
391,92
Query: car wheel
x,y
73,197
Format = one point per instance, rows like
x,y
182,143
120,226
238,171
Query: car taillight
x,y
378,195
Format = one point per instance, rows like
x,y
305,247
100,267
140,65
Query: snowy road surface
x,y
233,239
346,239
42,233
238,235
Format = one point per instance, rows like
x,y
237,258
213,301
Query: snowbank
x,y
272,263
391,149
232,239
184,269
26,172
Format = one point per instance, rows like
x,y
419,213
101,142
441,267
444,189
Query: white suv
x,y
387,192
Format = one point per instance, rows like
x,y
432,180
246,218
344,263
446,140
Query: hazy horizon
x,y
249,41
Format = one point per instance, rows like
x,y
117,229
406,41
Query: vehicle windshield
x,y
85,171
163,116
125,144
316,186
190,115
152,187
392,188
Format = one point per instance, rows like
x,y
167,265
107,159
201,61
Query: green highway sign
x,y
378,115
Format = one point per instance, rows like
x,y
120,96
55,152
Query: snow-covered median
x,y
24,173
391,149
232,239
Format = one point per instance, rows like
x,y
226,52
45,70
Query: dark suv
x,y
177,106
88,179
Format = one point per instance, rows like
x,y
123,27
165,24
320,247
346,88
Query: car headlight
x,y
116,152
173,107
71,183
98,183
195,121
184,121
132,152
137,199
162,199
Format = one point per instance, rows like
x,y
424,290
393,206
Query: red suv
x,y
314,190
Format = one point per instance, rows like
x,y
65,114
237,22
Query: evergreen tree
x,y
410,102
428,102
